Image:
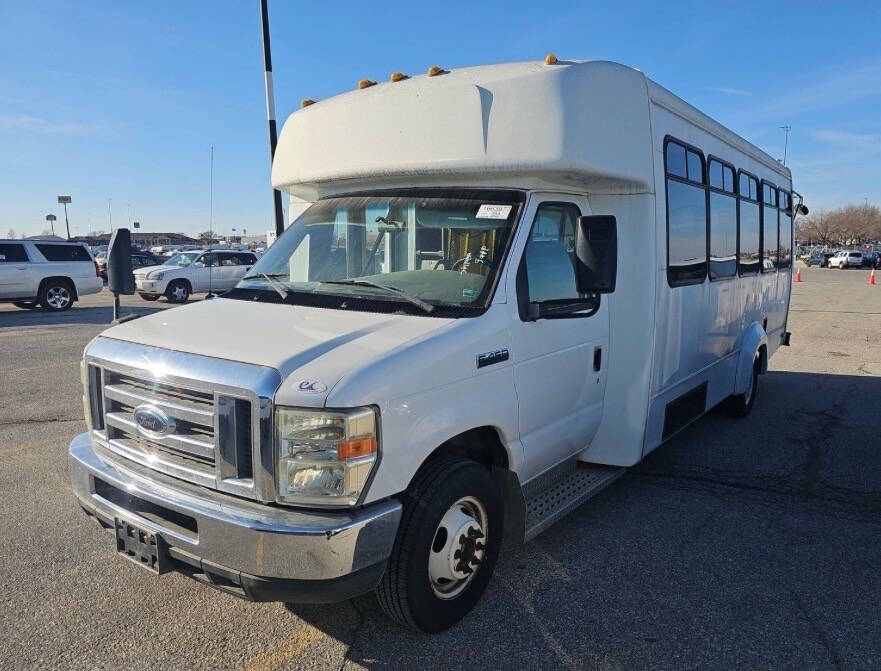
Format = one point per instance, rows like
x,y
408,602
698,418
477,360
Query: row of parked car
x,y
844,259
54,275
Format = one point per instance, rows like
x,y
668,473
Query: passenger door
x,y
559,360
16,276
207,276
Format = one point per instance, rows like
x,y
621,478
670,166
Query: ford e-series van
x,y
506,285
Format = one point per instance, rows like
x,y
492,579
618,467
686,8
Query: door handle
x,y
597,358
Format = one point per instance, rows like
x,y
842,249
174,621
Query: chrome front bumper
x,y
261,552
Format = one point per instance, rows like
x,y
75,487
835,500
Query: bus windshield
x,y
442,250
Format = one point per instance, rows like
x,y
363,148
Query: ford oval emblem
x,y
152,422
312,387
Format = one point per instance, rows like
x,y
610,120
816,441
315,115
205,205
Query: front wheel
x,y
178,291
447,546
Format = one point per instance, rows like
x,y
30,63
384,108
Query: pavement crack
x,y
825,640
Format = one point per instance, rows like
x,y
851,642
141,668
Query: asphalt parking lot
x,y
752,544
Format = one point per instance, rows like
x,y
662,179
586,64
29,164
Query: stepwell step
x,y
564,490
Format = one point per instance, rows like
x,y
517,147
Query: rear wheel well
x,y
763,358
60,279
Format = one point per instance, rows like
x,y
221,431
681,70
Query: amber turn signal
x,y
550,59
359,447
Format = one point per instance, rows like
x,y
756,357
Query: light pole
x,y
51,219
786,128
270,112
110,213
65,200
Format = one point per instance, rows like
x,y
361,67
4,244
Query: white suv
x,y
191,273
47,273
846,260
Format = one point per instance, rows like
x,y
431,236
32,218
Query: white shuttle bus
x,y
507,284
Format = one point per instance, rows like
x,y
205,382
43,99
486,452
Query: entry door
x,y
16,279
208,276
559,360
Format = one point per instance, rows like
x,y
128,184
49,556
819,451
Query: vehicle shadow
x,y
94,315
723,546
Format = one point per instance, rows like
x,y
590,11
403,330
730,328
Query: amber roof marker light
x,y
305,102
550,59
436,70
398,77
366,83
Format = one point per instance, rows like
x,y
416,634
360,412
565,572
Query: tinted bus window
x,y
749,257
686,217
723,236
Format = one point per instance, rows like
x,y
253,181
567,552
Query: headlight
x,y
156,276
324,458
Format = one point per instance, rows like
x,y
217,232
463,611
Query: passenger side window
x,y
769,227
209,260
550,254
723,221
686,215
12,252
749,225
246,259
229,260
784,250
64,252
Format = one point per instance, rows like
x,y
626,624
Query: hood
x,y
149,269
312,345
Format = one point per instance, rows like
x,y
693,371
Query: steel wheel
x,y
458,548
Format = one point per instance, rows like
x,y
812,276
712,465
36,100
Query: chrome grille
x,y
215,440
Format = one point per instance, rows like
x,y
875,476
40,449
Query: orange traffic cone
x,y
798,274
872,277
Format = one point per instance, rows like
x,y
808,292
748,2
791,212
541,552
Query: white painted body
x,y
154,280
587,133
846,260
20,280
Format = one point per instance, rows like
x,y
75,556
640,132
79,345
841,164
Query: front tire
x,y
56,295
178,291
446,548
740,405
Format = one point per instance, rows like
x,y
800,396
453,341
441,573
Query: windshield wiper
x,y
280,288
418,302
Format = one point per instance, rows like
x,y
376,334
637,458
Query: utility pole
x,y
270,112
785,128
110,213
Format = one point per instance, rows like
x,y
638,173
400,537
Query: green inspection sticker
x,y
469,293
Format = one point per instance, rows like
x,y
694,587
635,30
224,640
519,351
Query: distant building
x,y
143,239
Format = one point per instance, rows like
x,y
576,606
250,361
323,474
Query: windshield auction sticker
x,y
493,211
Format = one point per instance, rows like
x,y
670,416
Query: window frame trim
x,y
684,180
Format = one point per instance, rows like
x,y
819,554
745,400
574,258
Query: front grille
x,y
196,447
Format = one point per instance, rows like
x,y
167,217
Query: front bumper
x,y
259,552
146,286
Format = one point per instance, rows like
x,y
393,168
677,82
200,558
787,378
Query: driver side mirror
x,y
596,252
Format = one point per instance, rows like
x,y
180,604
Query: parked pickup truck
x,y
439,355
46,273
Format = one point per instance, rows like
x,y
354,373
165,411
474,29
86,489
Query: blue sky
x,y
123,100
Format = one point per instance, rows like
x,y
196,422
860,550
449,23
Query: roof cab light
x,y
550,59
436,70
324,458
366,83
305,102
398,76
